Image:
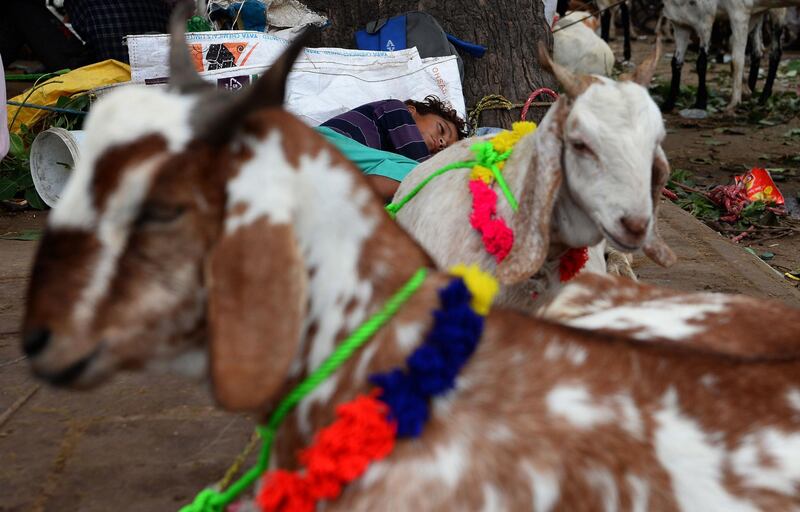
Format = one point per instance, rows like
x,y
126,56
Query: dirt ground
x,y
150,442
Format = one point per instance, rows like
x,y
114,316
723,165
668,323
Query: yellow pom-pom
x,y
480,284
506,140
480,172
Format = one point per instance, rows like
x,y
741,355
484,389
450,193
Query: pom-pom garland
x,y
341,453
572,262
498,238
366,428
490,157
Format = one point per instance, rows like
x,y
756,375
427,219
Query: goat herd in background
x,y
747,20
225,233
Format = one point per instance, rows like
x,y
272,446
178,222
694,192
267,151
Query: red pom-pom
x,y
341,453
286,492
572,262
497,236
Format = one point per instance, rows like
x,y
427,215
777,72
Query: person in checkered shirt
x,y
104,24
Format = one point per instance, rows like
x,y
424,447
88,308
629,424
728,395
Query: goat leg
x,y
702,91
562,6
774,60
739,24
605,25
626,29
682,35
674,87
755,64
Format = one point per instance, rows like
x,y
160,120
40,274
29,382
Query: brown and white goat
x,y
592,172
200,223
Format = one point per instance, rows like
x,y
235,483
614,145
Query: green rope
x,y
489,158
33,76
488,102
393,208
485,155
210,500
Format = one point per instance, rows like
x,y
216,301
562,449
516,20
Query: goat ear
x,y
183,76
573,84
655,248
256,307
537,158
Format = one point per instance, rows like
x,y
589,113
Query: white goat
x,y
698,16
203,218
607,135
577,48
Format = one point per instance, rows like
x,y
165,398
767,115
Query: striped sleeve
x,y
401,133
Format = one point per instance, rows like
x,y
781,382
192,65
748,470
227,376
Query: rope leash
x,y
486,157
210,500
500,102
47,108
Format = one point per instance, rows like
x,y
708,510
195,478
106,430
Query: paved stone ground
x,y
141,443
148,443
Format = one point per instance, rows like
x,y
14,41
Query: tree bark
x,y
511,29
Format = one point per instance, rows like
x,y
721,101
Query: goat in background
x,y
698,16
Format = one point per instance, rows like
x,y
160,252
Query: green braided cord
x,y
504,187
488,157
485,155
393,208
209,500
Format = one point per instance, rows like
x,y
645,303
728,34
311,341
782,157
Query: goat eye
x,y
581,147
155,213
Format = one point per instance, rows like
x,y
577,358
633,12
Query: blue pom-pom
x,y
434,366
454,294
429,370
407,407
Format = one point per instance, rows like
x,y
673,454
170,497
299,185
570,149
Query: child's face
x,y
437,132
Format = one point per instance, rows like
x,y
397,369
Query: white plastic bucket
x,y
54,153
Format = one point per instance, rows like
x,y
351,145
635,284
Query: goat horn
x,y
573,85
268,91
182,75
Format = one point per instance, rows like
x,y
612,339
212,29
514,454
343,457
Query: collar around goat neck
x,y
489,155
210,500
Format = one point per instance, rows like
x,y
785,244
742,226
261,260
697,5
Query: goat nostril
x,y
35,341
635,225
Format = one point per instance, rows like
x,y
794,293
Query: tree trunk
x,y
511,29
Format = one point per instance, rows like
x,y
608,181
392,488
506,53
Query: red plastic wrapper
x,y
758,186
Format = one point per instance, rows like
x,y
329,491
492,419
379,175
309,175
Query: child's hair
x,y
433,105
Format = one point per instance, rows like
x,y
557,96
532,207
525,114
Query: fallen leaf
x,y
730,131
27,234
